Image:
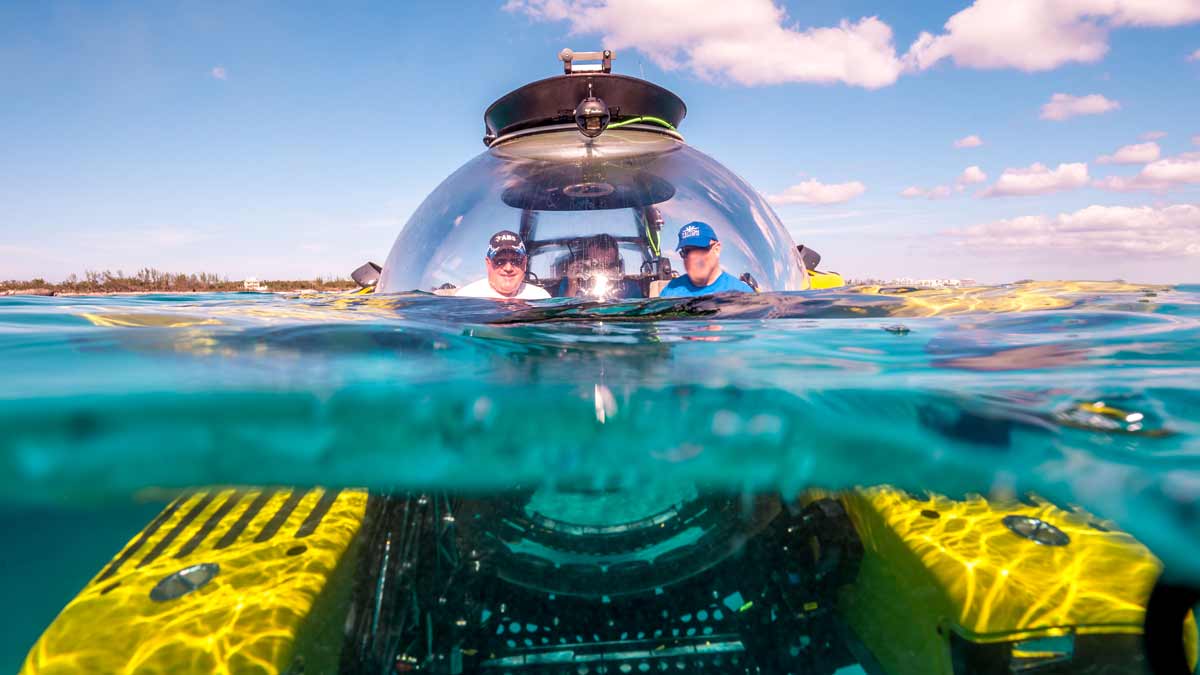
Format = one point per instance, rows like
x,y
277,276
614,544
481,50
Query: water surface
x,y
1084,393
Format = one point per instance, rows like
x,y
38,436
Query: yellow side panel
x,y
938,565
282,557
1026,296
819,280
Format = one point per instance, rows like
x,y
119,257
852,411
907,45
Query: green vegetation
x,y
149,280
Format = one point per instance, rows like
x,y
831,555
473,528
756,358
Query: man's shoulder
x,y
532,292
683,283
483,289
677,286
732,283
476,289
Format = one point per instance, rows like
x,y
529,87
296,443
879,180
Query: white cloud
x,y
1152,135
936,192
1037,179
1140,153
1182,168
1145,230
1196,139
540,10
754,42
972,175
971,141
751,42
1194,56
219,73
1159,176
1035,35
815,192
1065,106
1124,184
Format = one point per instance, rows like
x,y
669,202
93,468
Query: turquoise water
x,y
109,402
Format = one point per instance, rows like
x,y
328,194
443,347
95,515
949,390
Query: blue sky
x,y
295,139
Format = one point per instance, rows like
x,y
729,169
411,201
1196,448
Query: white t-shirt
x,y
482,289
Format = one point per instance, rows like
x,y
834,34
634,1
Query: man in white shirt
x,y
506,264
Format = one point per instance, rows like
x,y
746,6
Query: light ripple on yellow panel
x,y
249,618
1000,583
355,308
146,320
938,565
340,308
1020,297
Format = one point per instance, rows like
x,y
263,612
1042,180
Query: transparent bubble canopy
x,y
608,206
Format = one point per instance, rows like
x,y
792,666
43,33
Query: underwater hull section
x,y
223,580
290,581
466,596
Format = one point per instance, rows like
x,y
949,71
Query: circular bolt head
x,y
186,580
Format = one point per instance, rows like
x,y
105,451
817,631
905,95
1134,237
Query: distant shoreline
x,y
51,292
150,280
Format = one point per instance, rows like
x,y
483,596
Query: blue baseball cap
x,y
696,234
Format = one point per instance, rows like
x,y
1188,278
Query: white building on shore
x,y
916,283
933,283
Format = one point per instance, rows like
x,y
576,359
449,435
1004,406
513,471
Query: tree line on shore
x,y
149,279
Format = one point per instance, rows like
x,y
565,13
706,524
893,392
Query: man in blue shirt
x,y
701,253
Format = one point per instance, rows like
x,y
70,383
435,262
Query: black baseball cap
x,y
505,240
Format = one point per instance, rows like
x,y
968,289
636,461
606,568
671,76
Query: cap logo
x,y
505,241
689,231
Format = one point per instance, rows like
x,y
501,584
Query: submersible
x,y
583,578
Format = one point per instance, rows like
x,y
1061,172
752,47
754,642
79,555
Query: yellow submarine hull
x,y
943,585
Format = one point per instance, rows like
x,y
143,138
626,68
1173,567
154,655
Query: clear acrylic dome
x,y
606,207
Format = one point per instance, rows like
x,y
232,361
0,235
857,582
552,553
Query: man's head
x,y
592,266
701,252
506,262
604,253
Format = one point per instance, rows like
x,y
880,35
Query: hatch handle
x,y
569,57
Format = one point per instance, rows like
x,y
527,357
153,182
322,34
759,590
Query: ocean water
x,y
1086,395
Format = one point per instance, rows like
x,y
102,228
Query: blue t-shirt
x,y
682,286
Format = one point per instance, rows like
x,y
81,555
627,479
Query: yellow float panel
x,y
1027,296
936,567
233,580
821,280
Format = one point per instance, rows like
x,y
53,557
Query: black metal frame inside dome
x,y
553,101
